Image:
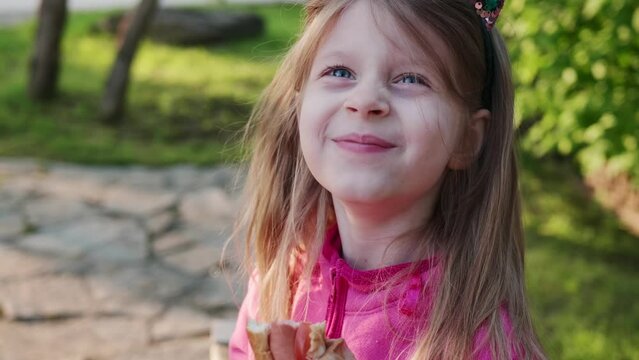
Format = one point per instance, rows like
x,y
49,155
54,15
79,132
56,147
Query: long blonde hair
x,y
476,222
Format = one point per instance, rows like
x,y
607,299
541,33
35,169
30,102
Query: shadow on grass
x,y
561,212
164,124
582,267
180,115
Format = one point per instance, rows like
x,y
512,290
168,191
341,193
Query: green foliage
x,y
185,104
576,64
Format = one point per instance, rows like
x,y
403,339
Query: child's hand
x,y
286,340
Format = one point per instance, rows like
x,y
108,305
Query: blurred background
x,y
118,151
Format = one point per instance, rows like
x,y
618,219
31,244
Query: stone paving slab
x,y
43,298
172,242
150,281
12,167
160,223
216,296
17,265
209,209
47,211
137,203
10,202
113,262
186,349
100,238
179,323
195,260
11,226
87,338
69,189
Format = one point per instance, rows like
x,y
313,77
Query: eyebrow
x,y
333,53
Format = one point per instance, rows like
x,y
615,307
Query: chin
x,y
359,194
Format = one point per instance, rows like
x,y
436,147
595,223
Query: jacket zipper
x,y
336,304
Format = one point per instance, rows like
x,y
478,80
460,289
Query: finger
x,y
302,341
282,340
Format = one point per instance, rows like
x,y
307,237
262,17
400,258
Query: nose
x,y
367,101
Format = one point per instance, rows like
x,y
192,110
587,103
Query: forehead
x,y
367,29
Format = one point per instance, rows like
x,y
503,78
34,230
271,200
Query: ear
x,y
470,141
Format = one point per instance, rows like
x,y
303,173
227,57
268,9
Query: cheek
x,y
431,140
311,128
308,111
315,114
437,129
307,125
450,124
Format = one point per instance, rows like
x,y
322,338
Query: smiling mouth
x,y
363,143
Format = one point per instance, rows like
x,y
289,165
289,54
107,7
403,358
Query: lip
x,y
363,143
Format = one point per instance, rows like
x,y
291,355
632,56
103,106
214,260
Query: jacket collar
x,y
368,280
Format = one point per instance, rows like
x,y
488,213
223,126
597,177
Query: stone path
x,y
114,263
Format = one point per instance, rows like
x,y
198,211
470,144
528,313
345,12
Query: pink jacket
x,y
376,321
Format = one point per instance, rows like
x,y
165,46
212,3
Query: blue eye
x,y
339,72
412,79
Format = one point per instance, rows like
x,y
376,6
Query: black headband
x,y
489,11
489,54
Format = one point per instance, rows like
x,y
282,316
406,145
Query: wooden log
x,y
189,27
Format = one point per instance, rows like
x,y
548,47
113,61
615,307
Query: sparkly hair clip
x,y
489,11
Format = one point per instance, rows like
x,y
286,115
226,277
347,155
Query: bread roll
x,y
258,338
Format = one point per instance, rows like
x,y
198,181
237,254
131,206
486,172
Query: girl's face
x,y
375,125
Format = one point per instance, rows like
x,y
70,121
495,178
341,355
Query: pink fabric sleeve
x,y
481,345
239,348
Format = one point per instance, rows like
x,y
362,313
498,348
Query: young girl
x,y
383,194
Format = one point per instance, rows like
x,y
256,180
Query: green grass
x,y
582,267
185,104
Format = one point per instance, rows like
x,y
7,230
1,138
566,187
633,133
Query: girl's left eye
x,y
412,78
338,71
343,73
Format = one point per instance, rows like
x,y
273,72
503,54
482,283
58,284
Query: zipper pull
x,y
333,275
336,304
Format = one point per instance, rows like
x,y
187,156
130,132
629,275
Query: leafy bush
x,y
576,64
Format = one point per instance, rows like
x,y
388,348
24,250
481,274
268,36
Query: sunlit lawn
x,y
185,104
188,104
582,269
